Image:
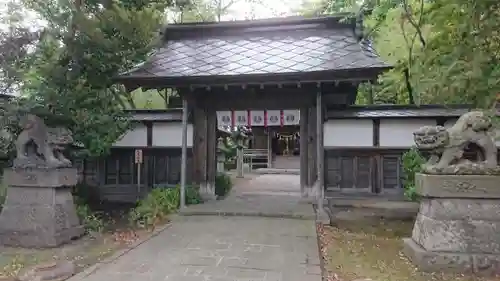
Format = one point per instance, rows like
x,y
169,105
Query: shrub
x,y
412,164
155,207
3,193
159,203
91,222
193,196
223,184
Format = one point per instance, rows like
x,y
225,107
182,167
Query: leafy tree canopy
x,y
443,51
82,47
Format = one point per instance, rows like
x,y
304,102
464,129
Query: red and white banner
x,y
291,117
273,118
224,118
240,117
256,118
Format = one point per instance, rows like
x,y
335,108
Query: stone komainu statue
x,y
473,130
40,146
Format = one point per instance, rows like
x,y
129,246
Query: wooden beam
x,y
211,151
311,146
149,133
321,215
184,152
304,114
376,132
370,93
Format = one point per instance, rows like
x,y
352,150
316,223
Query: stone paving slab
x,y
209,248
259,195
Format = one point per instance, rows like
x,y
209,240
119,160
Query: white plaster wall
x,y
169,134
137,136
348,132
399,132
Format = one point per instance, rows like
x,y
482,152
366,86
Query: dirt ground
x,y
84,252
357,250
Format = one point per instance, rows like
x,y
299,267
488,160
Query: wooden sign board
x,y
138,156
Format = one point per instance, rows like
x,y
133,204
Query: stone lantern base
x,y
39,211
458,226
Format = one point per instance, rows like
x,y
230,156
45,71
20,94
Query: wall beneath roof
x,y
169,134
164,134
398,133
114,177
348,133
135,137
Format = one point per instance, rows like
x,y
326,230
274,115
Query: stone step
x,y
372,209
277,171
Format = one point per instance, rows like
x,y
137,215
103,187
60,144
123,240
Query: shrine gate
x,y
254,69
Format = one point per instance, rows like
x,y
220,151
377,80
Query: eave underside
x,y
331,76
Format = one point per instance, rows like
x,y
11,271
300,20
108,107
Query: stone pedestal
x,y
458,226
39,211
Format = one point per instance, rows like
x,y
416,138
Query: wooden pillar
x,y
321,215
269,148
311,155
304,169
198,127
211,151
184,152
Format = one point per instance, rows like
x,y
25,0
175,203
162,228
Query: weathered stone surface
x,y
39,146
481,264
39,216
458,209
56,271
436,261
458,186
458,224
447,146
33,177
457,235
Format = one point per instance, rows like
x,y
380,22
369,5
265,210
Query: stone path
x,y
266,195
234,248
222,249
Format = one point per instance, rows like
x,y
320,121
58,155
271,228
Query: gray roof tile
x,y
306,48
398,112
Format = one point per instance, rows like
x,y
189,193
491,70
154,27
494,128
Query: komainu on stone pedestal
x,y
457,227
39,210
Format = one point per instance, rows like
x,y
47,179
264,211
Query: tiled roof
x,y
172,114
396,111
279,49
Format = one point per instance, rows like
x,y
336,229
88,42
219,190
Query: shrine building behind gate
x,y
282,77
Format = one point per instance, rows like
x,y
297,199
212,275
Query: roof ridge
x,y
184,30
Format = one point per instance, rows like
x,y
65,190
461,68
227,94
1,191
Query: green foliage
x,y
3,193
159,203
71,68
449,49
82,196
443,51
193,196
223,184
153,209
90,220
412,164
